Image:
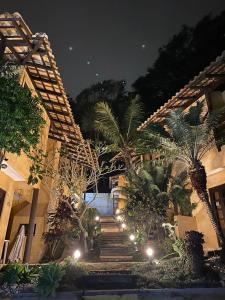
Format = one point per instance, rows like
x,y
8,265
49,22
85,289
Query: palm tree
x,y
187,137
121,135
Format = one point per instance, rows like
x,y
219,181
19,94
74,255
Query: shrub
x,y
74,272
193,252
17,273
49,279
178,247
169,274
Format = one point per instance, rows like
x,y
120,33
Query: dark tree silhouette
x,y
183,57
110,91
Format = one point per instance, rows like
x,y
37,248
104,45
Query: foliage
x,y
110,91
17,273
74,272
179,195
121,135
193,252
148,194
172,69
187,137
49,279
21,115
170,274
178,247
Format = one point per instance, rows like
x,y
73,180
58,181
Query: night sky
x,y
94,40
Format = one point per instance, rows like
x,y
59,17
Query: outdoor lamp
x,y
123,225
149,252
132,237
77,254
97,218
117,211
119,218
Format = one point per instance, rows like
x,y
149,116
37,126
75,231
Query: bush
x,y
49,279
169,274
74,272
193,252
17,273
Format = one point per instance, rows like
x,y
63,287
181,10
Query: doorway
x,y
217,197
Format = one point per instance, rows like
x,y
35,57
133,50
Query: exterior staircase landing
x,y
113,247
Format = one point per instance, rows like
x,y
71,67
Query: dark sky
x,y
120,38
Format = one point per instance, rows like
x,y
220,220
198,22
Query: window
x,y
217,197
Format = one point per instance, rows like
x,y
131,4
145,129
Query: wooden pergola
x,y
207,80
34,52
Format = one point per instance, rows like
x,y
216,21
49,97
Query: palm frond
x,y
106,123
133,118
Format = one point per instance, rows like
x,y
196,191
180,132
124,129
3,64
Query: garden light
x,y
117,211
119,218
132,237
97,218
123,225
77,254
149,252
156,261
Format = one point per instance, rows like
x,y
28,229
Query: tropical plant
x,y
74,272
121,135
179,195
20,114
147,197
49,279
193,252
149,192
187,137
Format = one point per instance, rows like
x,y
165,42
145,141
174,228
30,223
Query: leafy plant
x,y
17,273
20,114
74,272
193,252
121,136
186,137
49,279
178,247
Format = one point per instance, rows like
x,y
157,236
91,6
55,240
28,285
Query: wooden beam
x,y
40,66
49,92
42,79
215,75
56,111
53,103
186,97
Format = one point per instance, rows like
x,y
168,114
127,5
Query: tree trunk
x,y
199,183
83,238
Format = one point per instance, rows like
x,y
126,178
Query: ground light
x,y
77,254
97,218
123,225
132,237
117,211
119,218
149,252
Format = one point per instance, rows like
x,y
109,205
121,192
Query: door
x,y
217,196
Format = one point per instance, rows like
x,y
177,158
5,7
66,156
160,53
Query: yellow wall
x,y
21,165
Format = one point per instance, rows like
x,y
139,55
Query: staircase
x,y
112,242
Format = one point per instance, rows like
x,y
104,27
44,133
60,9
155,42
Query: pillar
x,y
31,225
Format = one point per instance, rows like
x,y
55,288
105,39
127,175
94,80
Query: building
x,y
20,203
209,87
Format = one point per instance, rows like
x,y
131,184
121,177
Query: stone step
x,y
116,258
109,281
